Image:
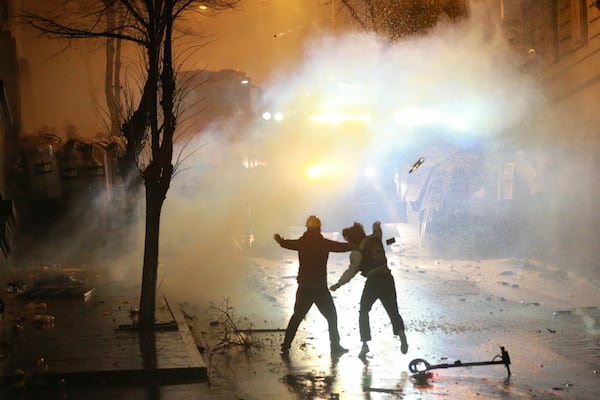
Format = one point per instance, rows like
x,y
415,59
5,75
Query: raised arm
x,y
377,229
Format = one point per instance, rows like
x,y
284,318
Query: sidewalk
x,y
50,340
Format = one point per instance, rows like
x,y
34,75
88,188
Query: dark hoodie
x,y
313,251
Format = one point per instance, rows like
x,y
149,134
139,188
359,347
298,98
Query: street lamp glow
x,y
370,172
314,171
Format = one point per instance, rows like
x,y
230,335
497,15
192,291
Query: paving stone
x,y
85,344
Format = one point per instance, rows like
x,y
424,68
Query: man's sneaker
x,y
285,351
363,350
404,347
403,343
338,350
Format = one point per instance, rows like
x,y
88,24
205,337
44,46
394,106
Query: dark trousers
x,y
379,287
305,298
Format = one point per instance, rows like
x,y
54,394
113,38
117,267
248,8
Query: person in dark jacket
x,y
369,259
313,251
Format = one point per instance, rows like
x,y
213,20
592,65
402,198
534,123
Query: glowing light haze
x,y
460,83
464,74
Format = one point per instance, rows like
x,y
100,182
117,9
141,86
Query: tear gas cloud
x,y
460,86
465,76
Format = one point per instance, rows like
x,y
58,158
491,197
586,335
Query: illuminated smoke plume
x,y
461,82
460,86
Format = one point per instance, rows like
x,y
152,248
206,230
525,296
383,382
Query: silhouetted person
x,y
313,251
369,259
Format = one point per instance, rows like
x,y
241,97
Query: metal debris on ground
x,y
421,368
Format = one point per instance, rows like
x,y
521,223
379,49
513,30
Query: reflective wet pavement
x,y
453,311
56,342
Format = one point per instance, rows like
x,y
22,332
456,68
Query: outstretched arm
x,y
290,244
349,273
338,247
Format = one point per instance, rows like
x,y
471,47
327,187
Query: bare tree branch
x,y
52,27
354,14
150,129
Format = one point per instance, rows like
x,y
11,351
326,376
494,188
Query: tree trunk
x,y
154,198
148,24
158,173
154,202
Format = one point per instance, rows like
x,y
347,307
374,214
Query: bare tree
x,y
396,19
112,82
150,25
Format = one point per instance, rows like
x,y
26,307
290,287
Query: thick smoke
x,y
480,97
215,202
464,71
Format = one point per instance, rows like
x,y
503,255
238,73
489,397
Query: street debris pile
x,y
51,282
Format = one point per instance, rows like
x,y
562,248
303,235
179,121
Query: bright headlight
x,y
314,171
370,172
320,171
268,116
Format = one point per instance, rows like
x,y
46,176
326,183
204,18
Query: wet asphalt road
x,y
452,310
457,310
